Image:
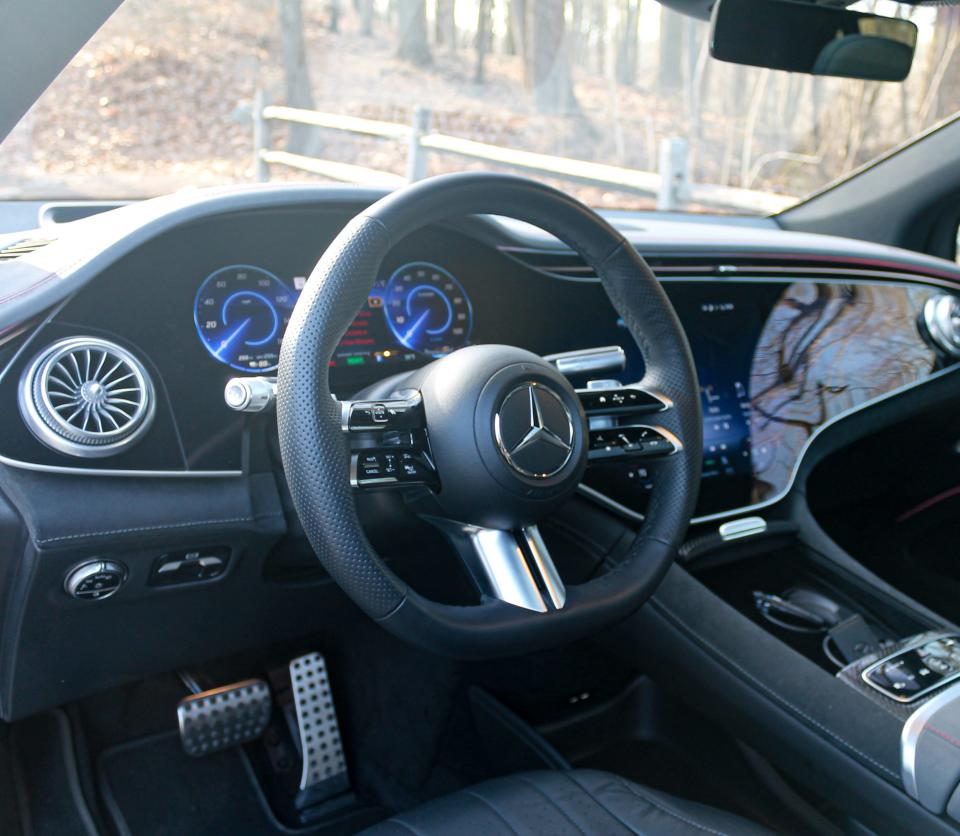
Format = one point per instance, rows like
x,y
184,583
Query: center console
x,y
918,681
848,686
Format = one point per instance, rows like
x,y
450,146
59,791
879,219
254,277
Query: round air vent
x,y
941,321
86,397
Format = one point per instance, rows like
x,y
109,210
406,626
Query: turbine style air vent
x,y
86,397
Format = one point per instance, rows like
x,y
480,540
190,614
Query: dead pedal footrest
x,y
223,717
324,766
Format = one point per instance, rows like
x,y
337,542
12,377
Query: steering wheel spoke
x,y
389,445
511,566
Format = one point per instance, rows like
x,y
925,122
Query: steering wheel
x,y
487,440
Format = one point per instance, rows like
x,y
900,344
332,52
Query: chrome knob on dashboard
x,y
250,394
95,580
941,321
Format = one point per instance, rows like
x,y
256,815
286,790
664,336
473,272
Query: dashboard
x,y
152,308
783,348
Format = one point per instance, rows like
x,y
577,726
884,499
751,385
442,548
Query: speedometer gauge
x,y
241,313
427,309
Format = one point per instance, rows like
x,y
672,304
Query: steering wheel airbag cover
x,y
314,449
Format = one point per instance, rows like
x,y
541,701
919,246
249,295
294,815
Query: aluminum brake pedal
x,y
223,717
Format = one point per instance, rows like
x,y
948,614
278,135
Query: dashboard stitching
x,y
164,527
664,612
64,272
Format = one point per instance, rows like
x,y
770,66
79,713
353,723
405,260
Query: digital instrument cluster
x,y
241,312
420,310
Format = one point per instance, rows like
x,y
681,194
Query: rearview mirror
x,y
807,38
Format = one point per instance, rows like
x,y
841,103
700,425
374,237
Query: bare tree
x,y
515,26
484,27
628,42
599,25
365,10
698,48
412,43
547,66
445,24
750,128
670,64
299,92
942,58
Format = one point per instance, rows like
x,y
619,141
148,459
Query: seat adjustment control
x,y
189,566
95,580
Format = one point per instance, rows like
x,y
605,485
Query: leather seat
x,y
580,802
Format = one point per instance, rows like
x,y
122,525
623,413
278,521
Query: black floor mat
x,y
150,786
52,801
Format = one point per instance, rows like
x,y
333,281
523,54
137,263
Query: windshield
x,y
598,97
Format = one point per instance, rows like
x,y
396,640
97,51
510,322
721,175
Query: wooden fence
x,y
670,186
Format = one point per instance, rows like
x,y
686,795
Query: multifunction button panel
x,y
389,445
619,400
393,467
915,671
632,441
615,433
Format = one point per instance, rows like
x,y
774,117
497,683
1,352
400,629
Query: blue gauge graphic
x,y
427,309
241,312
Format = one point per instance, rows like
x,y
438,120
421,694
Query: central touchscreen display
x,y
723,323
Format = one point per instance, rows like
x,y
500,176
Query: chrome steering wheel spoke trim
x,y
512,566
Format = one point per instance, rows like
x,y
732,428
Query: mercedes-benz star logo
x,y
534,431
